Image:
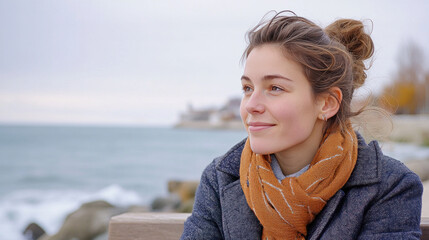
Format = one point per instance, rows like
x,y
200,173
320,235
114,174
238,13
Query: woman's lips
x,y
259,126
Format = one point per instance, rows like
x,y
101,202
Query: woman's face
x,y
278,108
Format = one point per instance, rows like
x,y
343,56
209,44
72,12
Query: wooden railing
x,y
166,226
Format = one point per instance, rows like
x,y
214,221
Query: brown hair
x,y
331,57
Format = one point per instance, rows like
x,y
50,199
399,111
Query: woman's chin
x,y
262,149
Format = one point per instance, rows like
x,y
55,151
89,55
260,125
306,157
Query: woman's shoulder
x,y
395,174
389,165
372,167
382,196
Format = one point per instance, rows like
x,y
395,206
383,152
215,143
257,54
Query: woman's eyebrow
x,y
245,78
267,77
273,76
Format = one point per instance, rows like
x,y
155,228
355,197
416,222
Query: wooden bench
x,y
166,226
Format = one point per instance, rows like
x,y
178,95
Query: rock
x,y
104,236
181,198
137,208
33,231
186,207
87,222
166,204
184,189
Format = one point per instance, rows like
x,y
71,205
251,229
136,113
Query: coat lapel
x,y
318,225
238,220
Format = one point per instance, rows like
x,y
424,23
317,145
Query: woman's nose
x,y
255,103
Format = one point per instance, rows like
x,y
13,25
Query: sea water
x,y
46,172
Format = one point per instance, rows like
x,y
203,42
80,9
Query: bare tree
x,y
409,91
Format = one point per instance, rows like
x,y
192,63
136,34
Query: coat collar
x,y
230,162
367,169
368,165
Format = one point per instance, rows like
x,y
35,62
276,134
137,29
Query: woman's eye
x,y
246,89
275,88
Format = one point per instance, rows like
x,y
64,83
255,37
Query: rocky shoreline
x,y
91,220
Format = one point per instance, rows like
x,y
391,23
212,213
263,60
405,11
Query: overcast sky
x,y
143,62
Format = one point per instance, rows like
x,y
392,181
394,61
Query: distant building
x,y
228,116
231,110
197,115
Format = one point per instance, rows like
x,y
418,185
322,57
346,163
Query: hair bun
x,y
351,33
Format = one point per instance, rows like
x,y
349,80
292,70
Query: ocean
x,y
46,172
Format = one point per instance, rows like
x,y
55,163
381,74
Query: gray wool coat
x,y
381,200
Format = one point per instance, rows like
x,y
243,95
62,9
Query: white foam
x,y
48,208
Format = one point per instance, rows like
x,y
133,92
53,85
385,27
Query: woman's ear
x,y
330,103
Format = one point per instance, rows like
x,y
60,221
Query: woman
x,y
303,173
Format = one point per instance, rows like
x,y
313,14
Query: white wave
x,y
48,208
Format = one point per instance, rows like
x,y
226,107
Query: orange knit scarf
x,y
285,208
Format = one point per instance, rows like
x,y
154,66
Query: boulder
x,y
33,231
87,222
166,204
138,208
184,189
186,207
